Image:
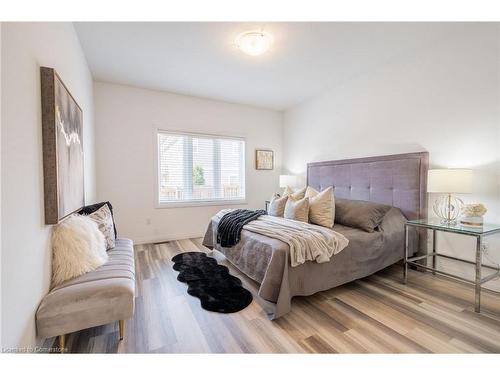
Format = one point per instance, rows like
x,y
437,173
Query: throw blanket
x,y
307,242
231,224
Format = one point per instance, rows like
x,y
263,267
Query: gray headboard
x,y
396,180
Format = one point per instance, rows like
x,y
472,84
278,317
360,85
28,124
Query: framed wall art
x,y
62,132
264,159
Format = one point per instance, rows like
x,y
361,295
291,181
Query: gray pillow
x,y
360,214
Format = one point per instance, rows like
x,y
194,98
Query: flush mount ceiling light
x,y
254,43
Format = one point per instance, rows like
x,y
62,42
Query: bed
x,y
395,180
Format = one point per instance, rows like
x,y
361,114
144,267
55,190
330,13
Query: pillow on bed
x,y
321,206
277,206
297,209
288,191
299,194
360,214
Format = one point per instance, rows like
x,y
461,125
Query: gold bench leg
x,y
121,324
62,343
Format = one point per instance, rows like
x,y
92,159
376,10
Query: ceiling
x,y
200,59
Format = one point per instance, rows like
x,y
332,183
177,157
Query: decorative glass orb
x,y
448,208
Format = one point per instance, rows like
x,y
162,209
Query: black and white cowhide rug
x,y
211,282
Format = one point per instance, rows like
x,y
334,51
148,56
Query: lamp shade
x,y
288,180
449,181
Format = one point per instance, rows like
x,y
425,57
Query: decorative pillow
x,y
277,206
78,247
297,209
321,206
360,214
288,191
275,196
299,194
104,221
87,210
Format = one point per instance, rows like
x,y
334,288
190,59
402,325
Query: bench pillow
x,y
104,221
78,247
87,210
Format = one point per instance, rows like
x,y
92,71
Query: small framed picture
x,y
264,159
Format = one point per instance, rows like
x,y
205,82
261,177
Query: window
x,y
200,168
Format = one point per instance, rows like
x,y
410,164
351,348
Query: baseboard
x,y
164,238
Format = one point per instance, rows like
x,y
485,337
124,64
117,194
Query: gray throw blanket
x,y
231,224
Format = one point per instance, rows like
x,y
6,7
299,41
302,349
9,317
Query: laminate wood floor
x,y
376,314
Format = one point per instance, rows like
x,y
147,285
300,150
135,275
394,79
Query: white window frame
x,y
198,203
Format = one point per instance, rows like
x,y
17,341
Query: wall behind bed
x,y
125,121
443,99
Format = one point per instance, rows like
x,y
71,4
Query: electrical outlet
x,y
484,248
148,221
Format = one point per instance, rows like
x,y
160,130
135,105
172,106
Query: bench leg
x,y
62,343
121,324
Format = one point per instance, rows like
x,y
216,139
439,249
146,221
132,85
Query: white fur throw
x,y
78,247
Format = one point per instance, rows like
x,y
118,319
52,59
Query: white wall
x,y
0,182
125,121
443,99
26,251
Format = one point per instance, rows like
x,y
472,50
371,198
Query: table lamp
x,y
288,180
447,182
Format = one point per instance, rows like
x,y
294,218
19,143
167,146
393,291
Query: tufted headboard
x,y
396,180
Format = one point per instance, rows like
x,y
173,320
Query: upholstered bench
x,y
95,298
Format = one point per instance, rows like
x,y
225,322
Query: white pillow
x,y
321,206
288,191
297,209
275,196
78,247
277,207
299,194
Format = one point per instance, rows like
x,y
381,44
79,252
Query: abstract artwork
x,y
62,129
264,159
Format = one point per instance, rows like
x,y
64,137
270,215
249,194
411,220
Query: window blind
x,y
200,168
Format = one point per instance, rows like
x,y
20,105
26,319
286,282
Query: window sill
x,y
202,203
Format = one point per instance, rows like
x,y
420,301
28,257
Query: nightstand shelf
x,y
481,273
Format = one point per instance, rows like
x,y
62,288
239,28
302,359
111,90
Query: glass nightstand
x,y
479,233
